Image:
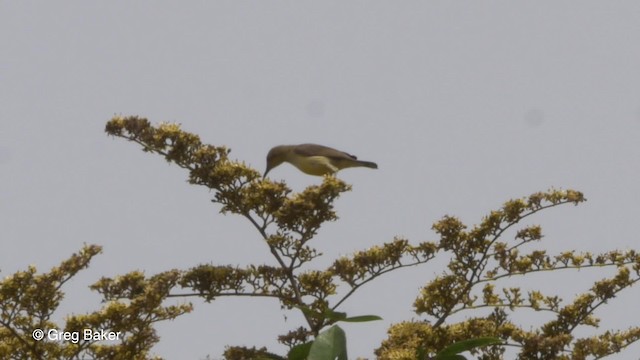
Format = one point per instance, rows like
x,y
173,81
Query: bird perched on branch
x,y
314,159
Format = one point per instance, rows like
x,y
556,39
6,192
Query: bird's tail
x,y
368,164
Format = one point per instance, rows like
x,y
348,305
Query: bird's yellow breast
x,y
313,165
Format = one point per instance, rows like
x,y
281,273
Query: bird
x,y
314,159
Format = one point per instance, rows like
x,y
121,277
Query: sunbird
x,y
314,159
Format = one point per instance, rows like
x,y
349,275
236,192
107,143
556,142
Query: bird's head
x,y
275,157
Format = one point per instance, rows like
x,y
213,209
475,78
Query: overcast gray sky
x,y
462,104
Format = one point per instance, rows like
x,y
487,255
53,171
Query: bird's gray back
x,y
315,150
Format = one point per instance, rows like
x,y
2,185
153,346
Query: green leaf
x,y
300,352
362,318
307,311
465,345
330,344
334,316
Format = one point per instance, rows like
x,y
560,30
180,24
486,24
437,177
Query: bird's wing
x,y
319,150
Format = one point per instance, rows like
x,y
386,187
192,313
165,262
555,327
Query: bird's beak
x,y
266,172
